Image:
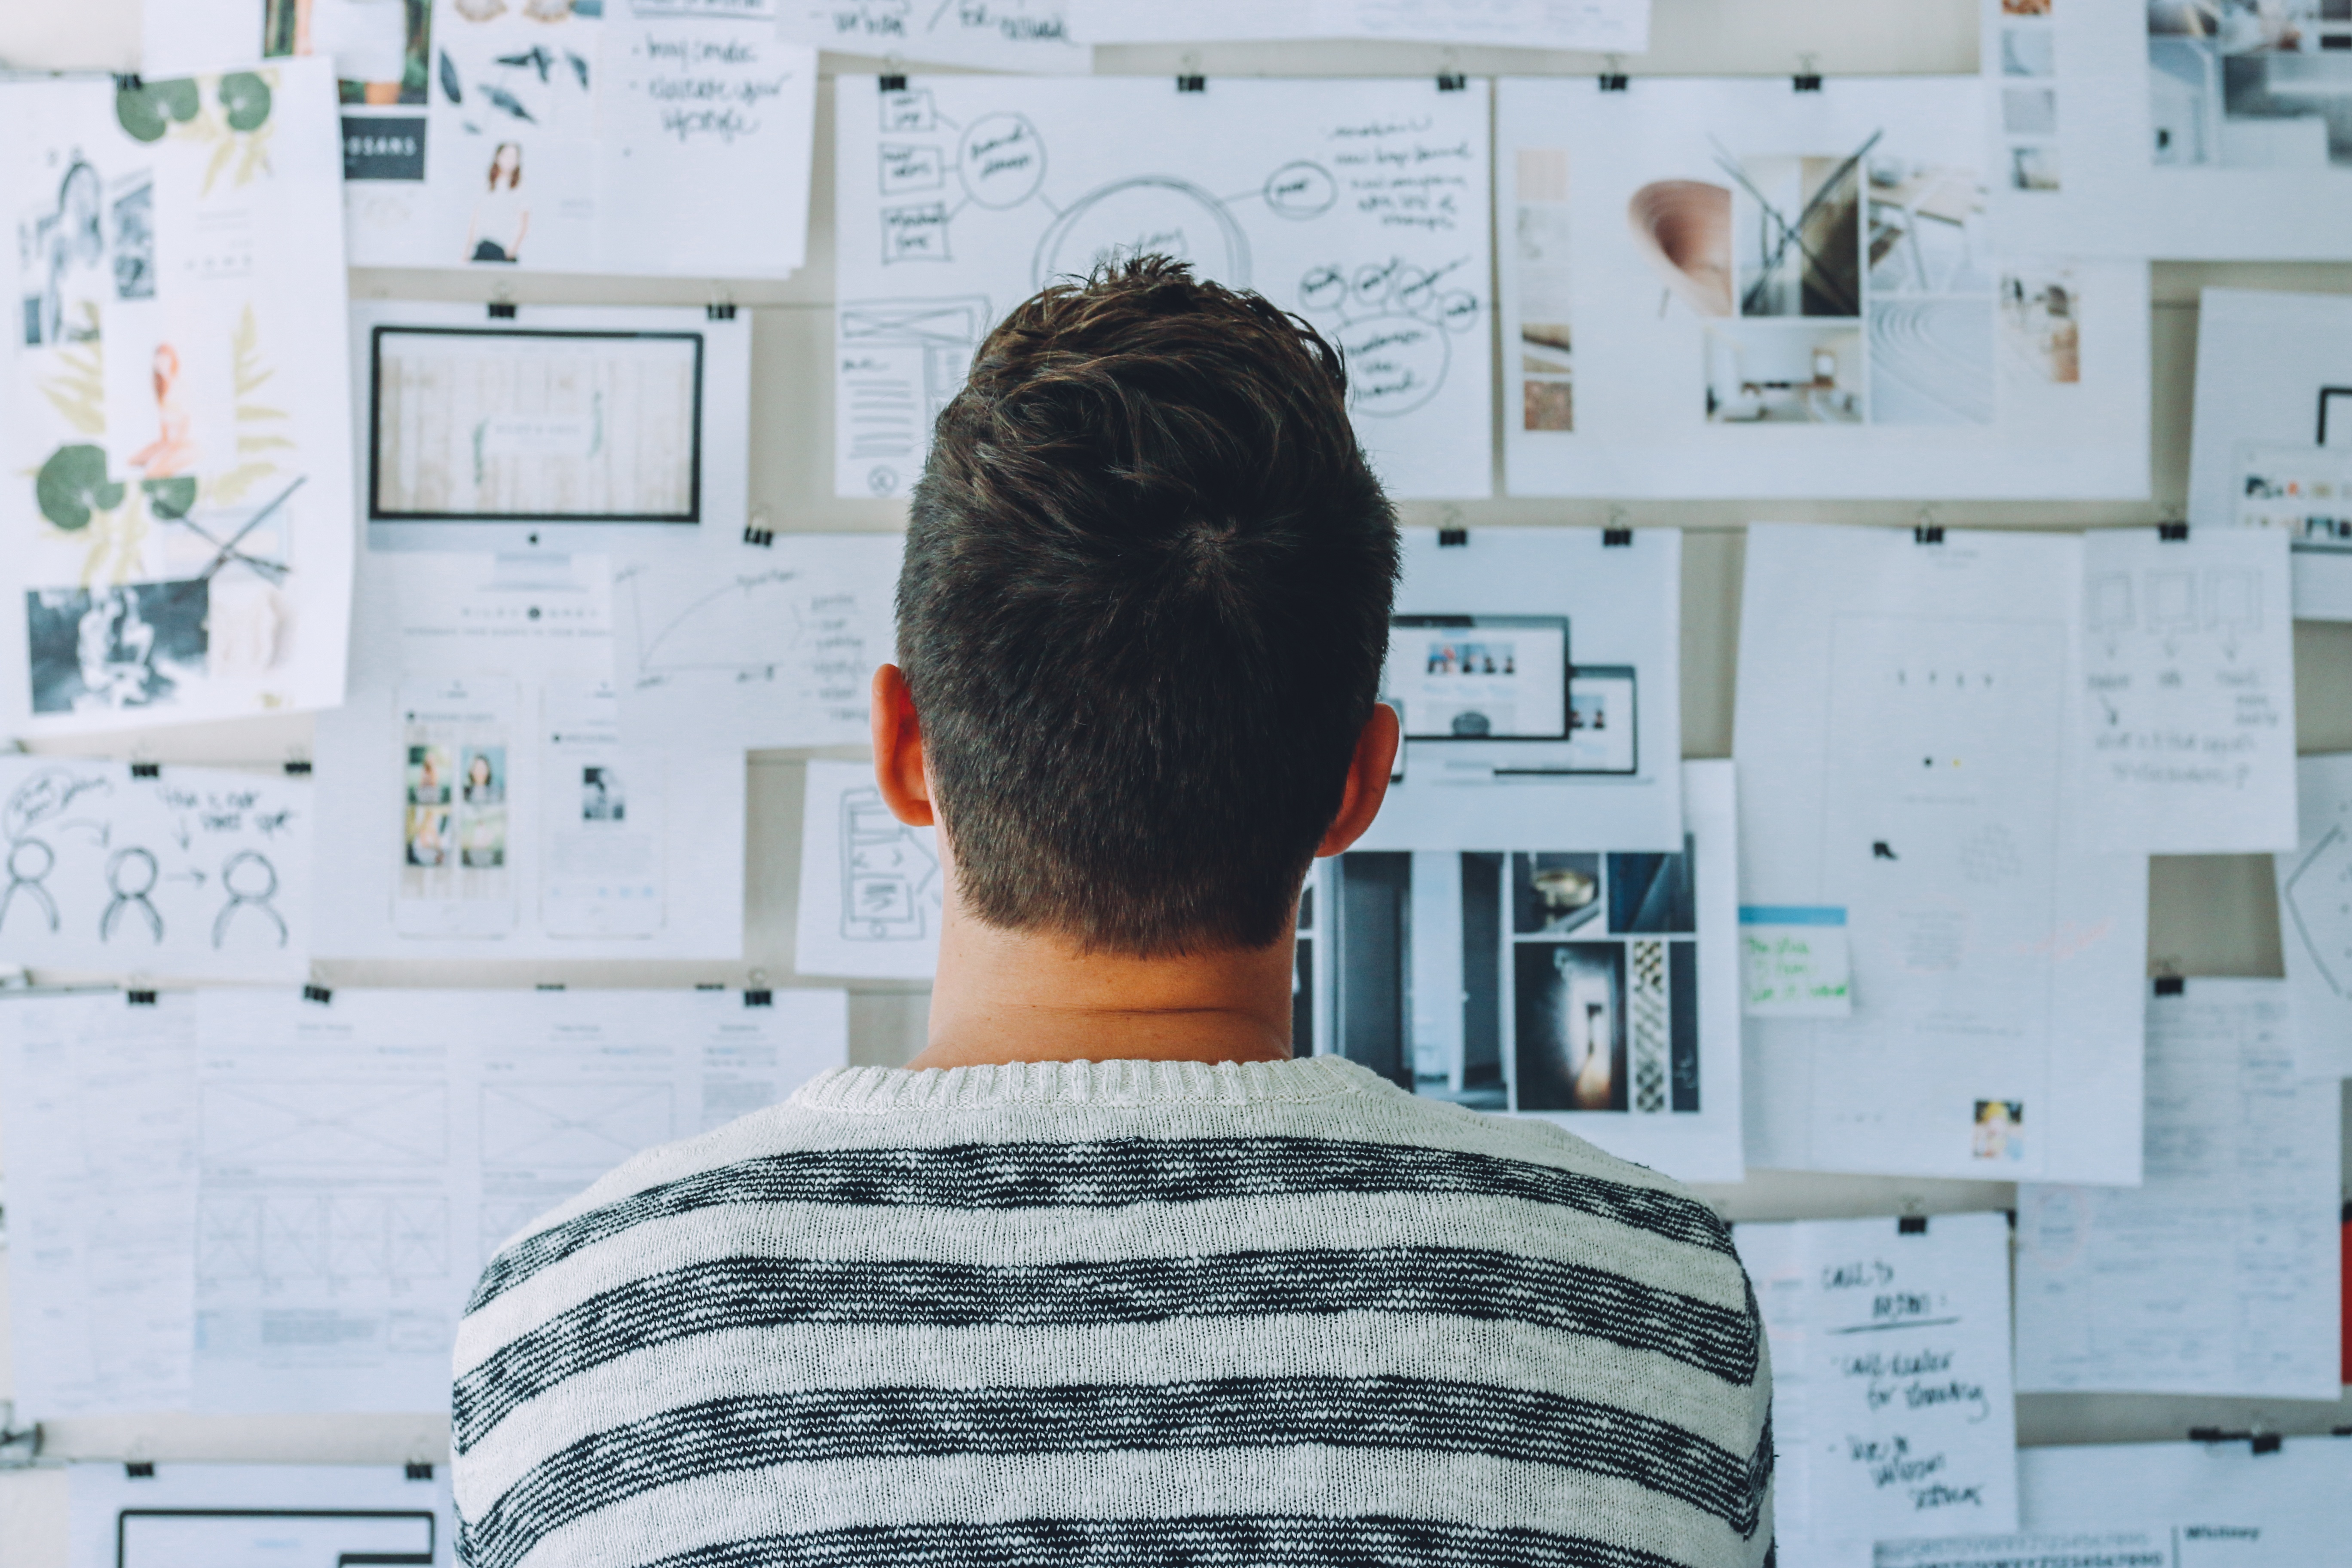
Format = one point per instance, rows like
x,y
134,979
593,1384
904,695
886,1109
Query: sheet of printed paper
x,y
490,804
1904,719
1892,1410
174,422
1619,25
1362,206
631,136
2220,1273
755,644
364,1158
2188,724
1536,672
985,35
2173,128
1724,287
94,1094
187,873
2163,1505
2271,447
223,1516
2314,890
1596,987
871,886
1794,962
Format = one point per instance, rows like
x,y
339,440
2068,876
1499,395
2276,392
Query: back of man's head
x,y
1144,611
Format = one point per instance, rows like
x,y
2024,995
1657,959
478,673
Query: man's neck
x,y
1022,996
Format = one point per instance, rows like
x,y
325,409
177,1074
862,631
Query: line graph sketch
x,y
1362,206
284,1235
595,1125
281,1122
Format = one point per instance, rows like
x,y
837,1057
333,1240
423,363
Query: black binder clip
x,y
1192,84
297,768
146,769
763,537
1451,82
1806,81
502,311
139,1469
128,81
719,312
2171,986
758,998
1927,533
1616,538
1452,538
893,83
1911,1224
1613,79
2172,532
139,998
321,995
419,1471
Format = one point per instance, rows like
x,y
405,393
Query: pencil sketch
x,y
251,882
269,1122
889,877
41,799
131,875
277,1236
590,1125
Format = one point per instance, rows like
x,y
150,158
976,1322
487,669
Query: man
x,y
1107,1277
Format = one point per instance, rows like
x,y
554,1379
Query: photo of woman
x,y
502,218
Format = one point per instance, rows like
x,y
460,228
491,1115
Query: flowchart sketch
x,y
2188,692
2314,890
983,35
871,887
155,871
1719,287
768,640
1361,205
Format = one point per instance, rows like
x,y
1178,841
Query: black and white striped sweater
x,y
1117,1315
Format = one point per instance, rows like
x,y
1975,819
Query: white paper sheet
x,y
2315,890
1904,718
259,1516
1363,205
2273,443
871,887
755,645
642,136
2220,1273
985,35
173,423
364,1157
2196,131
1537,672
2164,1505
489,805
2188,726
94,1092
1892,1410
189,873
1623,25
1689,312
1599,989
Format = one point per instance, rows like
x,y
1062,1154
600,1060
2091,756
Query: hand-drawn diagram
x,y
1362,207
285,1123
43,798
890,877
283,1236
251,882
131,875
586,1125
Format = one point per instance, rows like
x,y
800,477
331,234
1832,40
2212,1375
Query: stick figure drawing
x,y
131,875
43,798
251,881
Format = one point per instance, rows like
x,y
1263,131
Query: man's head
x,y
1143,612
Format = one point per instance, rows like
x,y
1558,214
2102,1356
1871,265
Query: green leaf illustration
x,y
172,498
73,484
244,97
178,98
146,112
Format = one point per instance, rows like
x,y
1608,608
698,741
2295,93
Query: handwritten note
x,y
987,34
1794,962
2187,715
1892,1411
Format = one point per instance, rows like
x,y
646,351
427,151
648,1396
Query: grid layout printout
x,y
2163,1505
1905,725
1599,989
983,35
246,1515
1362,206
1724,287
175,422
1619,25
2220,1274
2273,443
2174,128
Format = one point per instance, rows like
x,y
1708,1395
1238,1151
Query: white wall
x,y
2209,916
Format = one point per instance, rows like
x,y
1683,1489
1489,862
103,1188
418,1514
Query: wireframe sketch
x,y
901,362
2249,83
257,1236
587,1125
2318,898
889,877
268,1123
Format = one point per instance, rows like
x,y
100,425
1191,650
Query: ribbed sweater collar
x,y
871,1090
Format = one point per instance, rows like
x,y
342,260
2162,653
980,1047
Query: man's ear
x,y
1368,778
899,751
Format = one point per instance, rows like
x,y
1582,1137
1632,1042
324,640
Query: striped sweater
x,y
1117,1315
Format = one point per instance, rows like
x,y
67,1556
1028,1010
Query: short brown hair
x,y
1144,611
